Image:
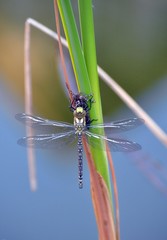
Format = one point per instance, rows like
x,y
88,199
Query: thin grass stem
x,y
28,105
61,50
115,189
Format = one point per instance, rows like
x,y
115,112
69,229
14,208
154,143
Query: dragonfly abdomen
x,y
80,160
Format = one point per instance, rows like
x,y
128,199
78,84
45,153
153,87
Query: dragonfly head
x,y
79,113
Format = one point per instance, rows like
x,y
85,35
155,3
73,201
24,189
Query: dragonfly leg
x,y
90,100
89,121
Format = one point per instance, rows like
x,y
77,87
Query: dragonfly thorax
x,y
79,119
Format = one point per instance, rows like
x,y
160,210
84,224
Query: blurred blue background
x,y
131,46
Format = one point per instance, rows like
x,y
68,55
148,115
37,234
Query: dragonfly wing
x,y
115,144
44,125
48,141
118,126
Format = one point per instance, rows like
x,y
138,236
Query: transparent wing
x,y
118,126
115,144
44,125
48,141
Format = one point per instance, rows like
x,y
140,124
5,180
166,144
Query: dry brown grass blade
x,y
61,49
101,201
115,189
28,105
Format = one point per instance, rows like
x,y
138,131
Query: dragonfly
x,y
54,134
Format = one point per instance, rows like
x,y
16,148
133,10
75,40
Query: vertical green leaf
x,y
85,66
89,49
74,44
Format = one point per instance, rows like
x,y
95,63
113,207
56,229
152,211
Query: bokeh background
x,y
131,40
